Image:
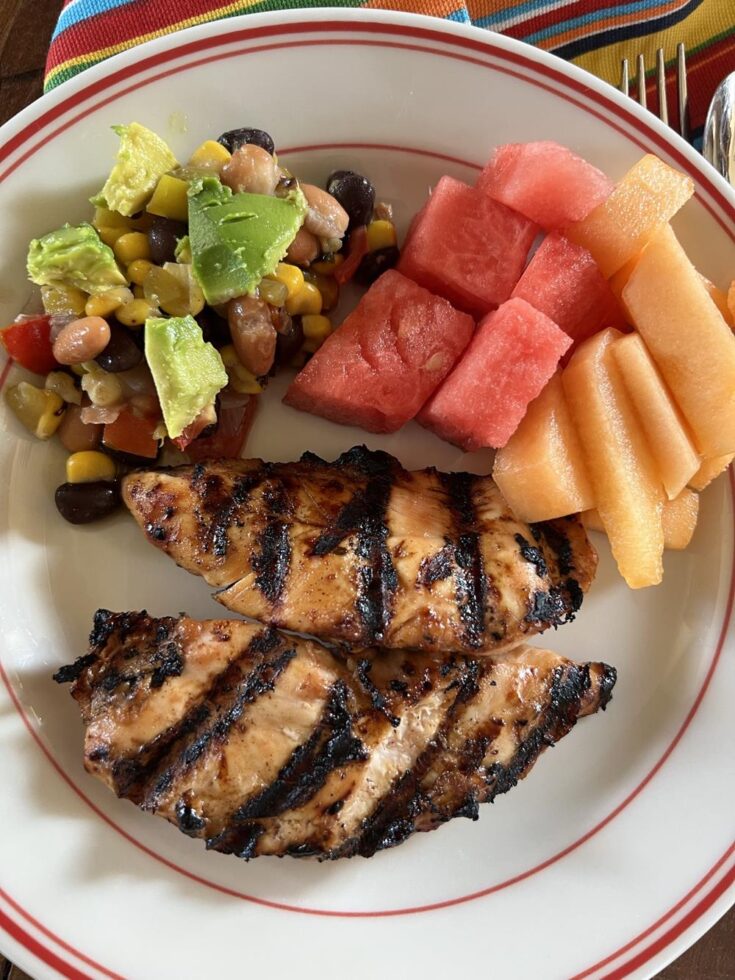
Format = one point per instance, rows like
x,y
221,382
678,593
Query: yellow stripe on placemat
x,y
712,20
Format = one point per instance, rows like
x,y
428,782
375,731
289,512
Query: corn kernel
x,y
327,267
103,304
273,291
63,299
170,199
327,286
135,313
109,234
242,381
104,218
138,270
316,327
39,410
307,300
291,276
88,466
131,246
210,156
380,234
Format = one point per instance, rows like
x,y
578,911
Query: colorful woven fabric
x,y
595,34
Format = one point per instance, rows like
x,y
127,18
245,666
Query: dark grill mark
x,y
169,663
156,532
71,672
377,698
469,574
224,508
436,567
558,543
532,555
188,820
273,563
547,607
331,746
364,518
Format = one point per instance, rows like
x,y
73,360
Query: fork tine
x,y
663,109
641,79
625,78
681,89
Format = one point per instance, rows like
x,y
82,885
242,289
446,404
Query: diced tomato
x,y
29,343
358,248
131,434
233,425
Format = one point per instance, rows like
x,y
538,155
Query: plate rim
x,y
61,100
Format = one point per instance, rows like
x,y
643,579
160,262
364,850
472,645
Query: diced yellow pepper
x,y
89,466
39,409
63,299
380,234
131,246
210,155
103,304
291,276
104,218
169,199
307,300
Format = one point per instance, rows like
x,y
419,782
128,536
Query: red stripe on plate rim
x,y
558,77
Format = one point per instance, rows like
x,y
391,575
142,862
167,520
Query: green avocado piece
x,y
142,159
74,255
187,372
236,239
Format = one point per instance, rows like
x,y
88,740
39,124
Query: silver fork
x,y
681,86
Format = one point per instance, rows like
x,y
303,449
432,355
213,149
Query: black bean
x,y
82,503
233,139
375,263
355,193
162,237
215,328
289,339
122,353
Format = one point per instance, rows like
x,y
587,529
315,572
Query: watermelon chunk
x,y
545,181
389,355
514,352
563,281
466,247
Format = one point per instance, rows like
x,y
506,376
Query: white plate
x,y
618,852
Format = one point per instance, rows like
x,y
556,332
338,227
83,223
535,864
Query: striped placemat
x,y
595,34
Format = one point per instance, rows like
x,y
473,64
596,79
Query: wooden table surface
x,y
25,29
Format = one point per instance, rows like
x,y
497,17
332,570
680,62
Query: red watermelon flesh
x,y
545,181
466,247
389,355
512,355
563,281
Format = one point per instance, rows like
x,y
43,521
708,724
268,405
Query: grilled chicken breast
x,y
360,551
262,743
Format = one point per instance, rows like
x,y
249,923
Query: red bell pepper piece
x,y
29,343
358,249
131,434
227,441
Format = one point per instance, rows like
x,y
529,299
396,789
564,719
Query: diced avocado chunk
x,y
74,256
187,372
142,159
236,239
182,252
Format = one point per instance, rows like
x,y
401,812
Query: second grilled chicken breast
x,y
261,743
361,551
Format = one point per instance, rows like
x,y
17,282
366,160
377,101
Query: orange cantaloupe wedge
x,y
665,429
541,470
731,301
710,470
720,300
648,196
679,520
693,347
628,493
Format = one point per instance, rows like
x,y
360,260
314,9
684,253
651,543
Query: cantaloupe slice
x,y
666,431
679,520
731,301
624,480
647,197
541,471
689,340
710,470
720,300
